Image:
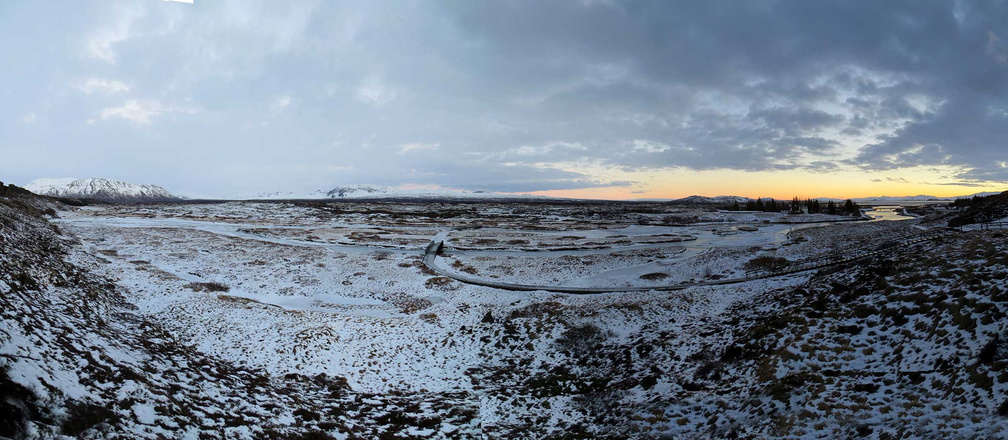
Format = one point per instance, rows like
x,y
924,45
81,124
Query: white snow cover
x,y
46,184
98,188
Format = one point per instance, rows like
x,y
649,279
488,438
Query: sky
x,y
592,98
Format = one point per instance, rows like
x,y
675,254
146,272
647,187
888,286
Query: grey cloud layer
x,y
256,95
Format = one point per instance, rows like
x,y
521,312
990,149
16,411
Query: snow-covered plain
x,y
306,297
306,289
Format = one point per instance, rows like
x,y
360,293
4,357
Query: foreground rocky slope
x,y
76,361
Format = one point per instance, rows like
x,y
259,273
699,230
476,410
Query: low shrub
x,y
211,286
766,263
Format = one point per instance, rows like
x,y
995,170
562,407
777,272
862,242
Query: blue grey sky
x,y
607,97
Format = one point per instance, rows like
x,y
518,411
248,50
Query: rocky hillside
x,y
100,189
912,346
982,209
76,361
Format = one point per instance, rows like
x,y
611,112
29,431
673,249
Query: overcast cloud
x,y
253,95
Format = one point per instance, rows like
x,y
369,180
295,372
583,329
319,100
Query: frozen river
x,y
887,213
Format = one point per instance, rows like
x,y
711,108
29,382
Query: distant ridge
x,y
702,200
918,198
100,189
721,200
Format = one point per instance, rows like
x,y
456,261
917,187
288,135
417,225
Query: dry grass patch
x,y
654,276
462,267
236,299
442,283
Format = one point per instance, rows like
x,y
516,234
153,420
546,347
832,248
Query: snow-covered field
x,y
304,297
340,291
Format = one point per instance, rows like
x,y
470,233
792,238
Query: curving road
x,y
889,247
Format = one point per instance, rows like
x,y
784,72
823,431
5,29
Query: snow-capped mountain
x,y
100,189
378,192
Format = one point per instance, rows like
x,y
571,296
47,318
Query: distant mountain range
x,y
379,192
921,198
118,191
703,200
100,189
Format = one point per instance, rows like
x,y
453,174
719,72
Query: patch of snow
x,y
145,413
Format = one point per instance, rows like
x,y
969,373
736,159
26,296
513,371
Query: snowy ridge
x,y
100,189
